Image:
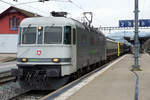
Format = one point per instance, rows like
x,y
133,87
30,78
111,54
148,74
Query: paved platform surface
x,y
118,82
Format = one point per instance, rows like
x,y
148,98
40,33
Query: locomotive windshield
x,y
29,35
53,35
46,35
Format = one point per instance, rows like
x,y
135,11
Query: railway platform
x,y
115,82
7,66
7,57
7,62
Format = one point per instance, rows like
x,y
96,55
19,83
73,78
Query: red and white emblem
x,y
38,52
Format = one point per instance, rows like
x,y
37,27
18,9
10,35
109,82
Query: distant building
x,y
9,22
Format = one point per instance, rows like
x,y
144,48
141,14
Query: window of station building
x,y
14,22
67,35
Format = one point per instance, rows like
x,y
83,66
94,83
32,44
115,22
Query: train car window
x,y
74,36
29,35
53,35
67,35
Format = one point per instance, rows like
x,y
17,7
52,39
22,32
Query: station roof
x,y
12,8
141,39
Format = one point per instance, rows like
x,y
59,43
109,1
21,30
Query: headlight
x,y
56,60
40,28
24,59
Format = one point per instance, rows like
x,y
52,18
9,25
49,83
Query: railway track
x,y
6,77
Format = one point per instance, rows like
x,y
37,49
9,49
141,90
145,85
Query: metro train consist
x,y
51,50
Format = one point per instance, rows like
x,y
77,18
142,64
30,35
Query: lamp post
x,y
136,66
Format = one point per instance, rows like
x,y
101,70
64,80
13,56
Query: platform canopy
x,y
141,39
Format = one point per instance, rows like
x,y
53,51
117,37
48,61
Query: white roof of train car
x,y
52,21
49,21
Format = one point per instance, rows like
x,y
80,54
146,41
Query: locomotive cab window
x,y
67,35
53,35
29,35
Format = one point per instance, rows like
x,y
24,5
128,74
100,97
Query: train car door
x,y
74,54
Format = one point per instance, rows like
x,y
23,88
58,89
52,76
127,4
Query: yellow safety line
x,y
118,49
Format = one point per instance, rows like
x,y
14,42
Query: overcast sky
x,y
106,12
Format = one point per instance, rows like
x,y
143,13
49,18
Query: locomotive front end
x,y
44,54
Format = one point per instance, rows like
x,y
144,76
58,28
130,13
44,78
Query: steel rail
x,y
6,77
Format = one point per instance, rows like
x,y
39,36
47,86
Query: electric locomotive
x,y
51,49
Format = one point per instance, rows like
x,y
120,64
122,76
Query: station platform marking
x,y
73,90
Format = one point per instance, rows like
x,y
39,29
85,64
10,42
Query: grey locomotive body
x,y
51,49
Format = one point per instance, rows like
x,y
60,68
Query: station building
x,y
9,22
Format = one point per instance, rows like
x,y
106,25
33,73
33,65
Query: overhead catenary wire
x,y
26,3
70,1
59,0
34,8
15,5
7,3
143,7
80,7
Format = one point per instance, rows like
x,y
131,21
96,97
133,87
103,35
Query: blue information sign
x,y
126,23
130,23
144,23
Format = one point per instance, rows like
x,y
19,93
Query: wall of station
x,y
8,43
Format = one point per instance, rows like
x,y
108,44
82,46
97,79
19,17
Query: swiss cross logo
x,y
38,52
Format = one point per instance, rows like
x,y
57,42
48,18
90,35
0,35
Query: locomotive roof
x,y
50,21
53,21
